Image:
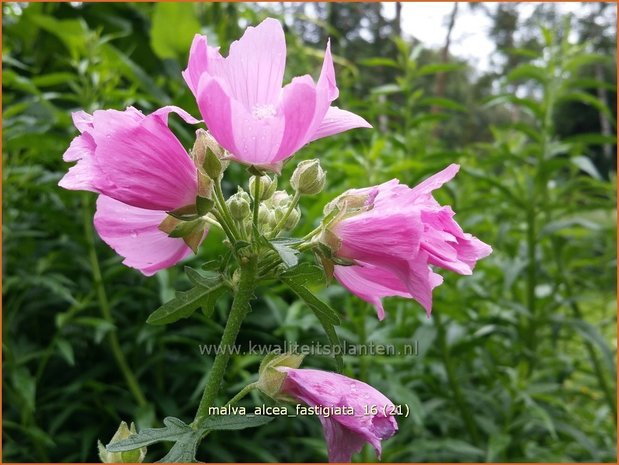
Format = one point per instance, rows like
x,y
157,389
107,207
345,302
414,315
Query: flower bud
x,y
239,205
269,378
308,178
280,199
264,214
267,186
293,219
130,456
208,155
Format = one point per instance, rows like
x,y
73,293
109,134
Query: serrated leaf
x,y
286,253
197,279
173,430
182,306
305,273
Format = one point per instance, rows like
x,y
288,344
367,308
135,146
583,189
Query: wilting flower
x,y
367,414
142,171
245,107
392,233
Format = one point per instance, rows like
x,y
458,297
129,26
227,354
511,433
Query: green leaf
x,y
235,422
173,430
305,273
66,350
173,28
183,305
287,254
528,71
585,164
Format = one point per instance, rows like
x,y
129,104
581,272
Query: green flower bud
x,y
267,186
308,178
264,214
130,456
239,205
293,219
269,379
208,155
280,199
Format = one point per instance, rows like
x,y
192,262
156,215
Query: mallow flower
x,y
245,107
141,171
390,235
354,412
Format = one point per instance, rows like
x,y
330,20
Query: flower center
x,y
263,111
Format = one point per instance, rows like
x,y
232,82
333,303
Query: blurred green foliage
x,y
517,362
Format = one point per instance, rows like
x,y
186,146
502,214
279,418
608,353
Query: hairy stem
x,y
104,305
256,202
242,393
238,312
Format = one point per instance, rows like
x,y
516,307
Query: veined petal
x,y
344,433
198,63
141,161
134,234
256,64
435,181
215,107
299,107
371,284
83,175
336,121
82,120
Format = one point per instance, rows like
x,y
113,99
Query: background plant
x,y
517,362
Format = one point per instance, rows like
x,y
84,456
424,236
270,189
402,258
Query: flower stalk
x,y
238,312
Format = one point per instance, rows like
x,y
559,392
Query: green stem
x,y
224,213
282,222
242,393
104,305
465,411
312,232
256,203
238,312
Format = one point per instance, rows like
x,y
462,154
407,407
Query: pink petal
x,y
344,433
336,121
299,105
256,64
215,107
82,120
81,176
143,161
342,443
250,140
134,234
164,112
371,284
198,63
437,180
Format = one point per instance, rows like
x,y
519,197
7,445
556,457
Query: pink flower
x,y
394,238
132,158
245,107
142,171
369,417
134,234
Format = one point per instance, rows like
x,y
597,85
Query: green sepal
x,y
204,205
